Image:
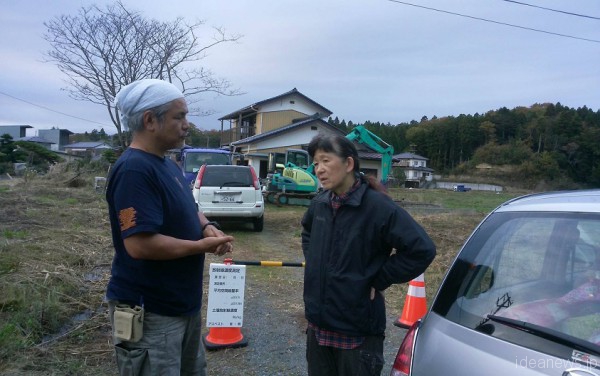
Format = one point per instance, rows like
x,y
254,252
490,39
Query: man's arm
x,y
212,231
154,246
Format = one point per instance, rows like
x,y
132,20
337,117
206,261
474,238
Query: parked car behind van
x,y
230,193
521,298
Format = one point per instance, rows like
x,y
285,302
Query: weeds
x,y
13,234
48,242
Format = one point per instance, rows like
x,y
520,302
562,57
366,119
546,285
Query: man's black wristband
x,y
211,223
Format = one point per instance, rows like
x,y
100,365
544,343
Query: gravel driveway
x,y
274,322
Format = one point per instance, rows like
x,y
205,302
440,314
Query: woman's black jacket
x,y
351,252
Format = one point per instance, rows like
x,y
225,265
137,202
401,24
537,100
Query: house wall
x,y
288,140
371,165
15,131
290,103
277,113
268,121
411,174
293,139
59,137
255,162
51,135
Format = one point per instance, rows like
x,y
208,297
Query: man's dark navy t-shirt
x,y
148,194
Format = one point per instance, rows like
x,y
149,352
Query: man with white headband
x,y
160,239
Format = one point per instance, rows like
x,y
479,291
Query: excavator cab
x,y
291,178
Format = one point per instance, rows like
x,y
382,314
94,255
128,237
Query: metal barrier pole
x,y
264,263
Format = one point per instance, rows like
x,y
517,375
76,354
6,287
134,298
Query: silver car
x,y
230,193
521,298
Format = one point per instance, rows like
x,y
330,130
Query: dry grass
x,y
54,257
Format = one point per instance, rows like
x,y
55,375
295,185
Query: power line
x,y
553,10
496,22
55,111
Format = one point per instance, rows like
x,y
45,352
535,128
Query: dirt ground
x,y
274,321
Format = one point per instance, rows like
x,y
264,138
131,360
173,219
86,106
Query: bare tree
x,y
101,50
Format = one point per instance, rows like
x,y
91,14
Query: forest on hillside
x,y
545,142
542,146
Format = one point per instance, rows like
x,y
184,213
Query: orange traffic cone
x,y
227,337
415,305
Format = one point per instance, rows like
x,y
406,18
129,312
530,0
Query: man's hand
x,y
223,249
212,231
219,245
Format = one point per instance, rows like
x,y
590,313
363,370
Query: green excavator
x,y
292,181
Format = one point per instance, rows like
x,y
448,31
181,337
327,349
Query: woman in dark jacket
x,y
356,243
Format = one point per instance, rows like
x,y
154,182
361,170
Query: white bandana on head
x,y
144,94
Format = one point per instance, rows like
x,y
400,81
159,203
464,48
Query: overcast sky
x,y
376,60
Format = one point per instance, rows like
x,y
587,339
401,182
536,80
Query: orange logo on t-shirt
x,y
127,218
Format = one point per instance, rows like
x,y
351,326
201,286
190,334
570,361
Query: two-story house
x,y
286,121
415,169
269,114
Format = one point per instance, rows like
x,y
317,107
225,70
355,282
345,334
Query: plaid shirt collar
x,y
338,201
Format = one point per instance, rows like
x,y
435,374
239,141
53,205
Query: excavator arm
x,y
363,136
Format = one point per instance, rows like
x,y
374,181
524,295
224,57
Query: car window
x,y
193,161
542,269
227,176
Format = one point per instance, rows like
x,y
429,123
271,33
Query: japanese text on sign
x,y
226,295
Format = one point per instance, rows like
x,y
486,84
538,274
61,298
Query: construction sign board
x,y
226,296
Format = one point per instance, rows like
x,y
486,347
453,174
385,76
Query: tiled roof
x,y
372,156
409,156
251,108
283,129
39,140
87,145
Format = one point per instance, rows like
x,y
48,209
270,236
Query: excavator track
x,y
286,198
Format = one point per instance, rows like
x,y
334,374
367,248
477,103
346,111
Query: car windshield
x,y
539,270
194,160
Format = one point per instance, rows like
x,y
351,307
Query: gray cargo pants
x,y
170,346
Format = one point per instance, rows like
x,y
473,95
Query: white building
x,y
414,167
